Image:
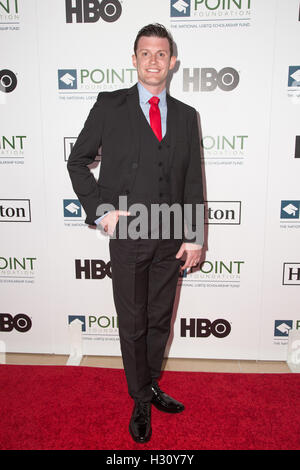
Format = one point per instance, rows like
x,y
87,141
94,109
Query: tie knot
x,y
154,100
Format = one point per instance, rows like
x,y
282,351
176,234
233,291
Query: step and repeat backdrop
x,y
239,66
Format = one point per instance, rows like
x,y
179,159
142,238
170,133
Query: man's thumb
x,y
180,252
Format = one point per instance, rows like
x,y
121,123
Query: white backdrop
x,y
238,65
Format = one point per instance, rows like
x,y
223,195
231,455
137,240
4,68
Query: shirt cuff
x,y
97,221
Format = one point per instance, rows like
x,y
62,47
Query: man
x,y
151,155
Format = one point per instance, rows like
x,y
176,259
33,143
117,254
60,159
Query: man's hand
x,y
193,254
110,221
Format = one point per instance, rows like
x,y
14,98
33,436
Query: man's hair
x,y
157,30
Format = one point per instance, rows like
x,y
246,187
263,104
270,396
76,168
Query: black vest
x,y
151,181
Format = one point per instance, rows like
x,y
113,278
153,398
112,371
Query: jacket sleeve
x,y
193,190
84,153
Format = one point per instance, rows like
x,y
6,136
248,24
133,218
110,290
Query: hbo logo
x,y
20,322
208,79
92,269
89,11
8,81
202,328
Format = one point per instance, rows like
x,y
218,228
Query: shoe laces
x,y
143,407
156,388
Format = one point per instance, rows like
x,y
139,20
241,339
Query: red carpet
x,y
56,407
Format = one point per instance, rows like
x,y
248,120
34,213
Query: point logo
x,y
67,79
92,322
290,210
201,8
78,319
283,327
90,11
294,76
219,268
72,208
180,7
84,79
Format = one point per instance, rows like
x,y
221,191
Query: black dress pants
x,y
144,278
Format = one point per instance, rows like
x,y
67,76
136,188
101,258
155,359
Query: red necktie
x,y
155,119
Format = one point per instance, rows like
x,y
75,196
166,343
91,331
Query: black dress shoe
x,y
140,423
163,402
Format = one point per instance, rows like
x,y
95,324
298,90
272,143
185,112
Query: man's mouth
x,y
153,70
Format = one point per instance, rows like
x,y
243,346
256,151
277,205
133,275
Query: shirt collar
x,y
145,95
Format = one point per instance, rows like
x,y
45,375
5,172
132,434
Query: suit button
x,y
134,166
160,178
159,147
159,163
127,191
160,194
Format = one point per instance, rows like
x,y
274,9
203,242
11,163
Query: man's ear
x,y
172,62
134,60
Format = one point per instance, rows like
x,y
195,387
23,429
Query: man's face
x,y
153,62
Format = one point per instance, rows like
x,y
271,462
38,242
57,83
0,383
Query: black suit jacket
x,y
113,124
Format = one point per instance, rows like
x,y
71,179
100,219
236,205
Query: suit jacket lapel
x,y
171,128
133,103
133,114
